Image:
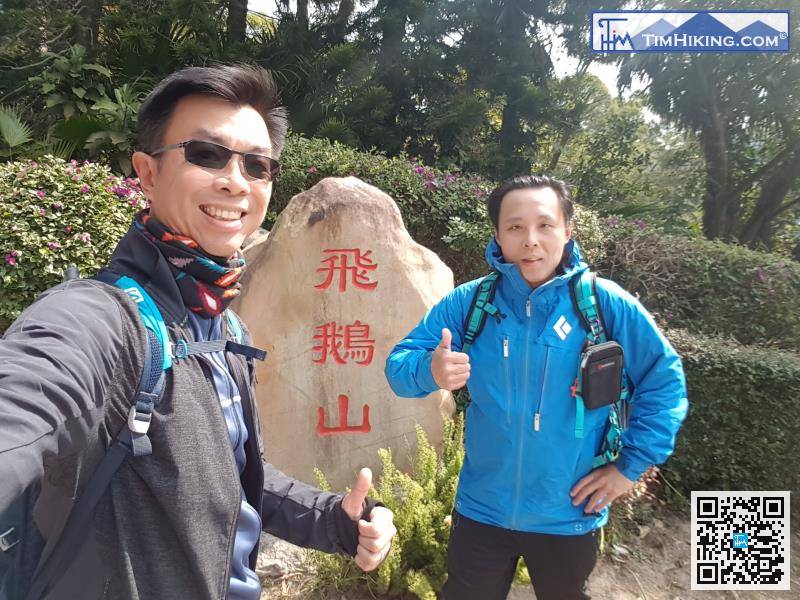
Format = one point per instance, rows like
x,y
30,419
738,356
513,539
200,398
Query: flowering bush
x,y
443,210
54,213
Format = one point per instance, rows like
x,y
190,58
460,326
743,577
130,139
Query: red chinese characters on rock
x,y
351,265
343,343
343,427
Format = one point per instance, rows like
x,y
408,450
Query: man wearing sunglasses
x,y
184,520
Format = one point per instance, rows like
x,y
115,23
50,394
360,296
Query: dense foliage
x,y
743,428
710,143
421,502
707,286
56,213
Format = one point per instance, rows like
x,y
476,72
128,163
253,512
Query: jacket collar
x,y
138,258
515,286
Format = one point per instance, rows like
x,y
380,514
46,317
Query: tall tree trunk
x,y
346,9
302,14
91,11
715,149
719,204
237,21
775,184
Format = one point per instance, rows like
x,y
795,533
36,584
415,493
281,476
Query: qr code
x,y
740,540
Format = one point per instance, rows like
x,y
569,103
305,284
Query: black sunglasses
x,y
216,156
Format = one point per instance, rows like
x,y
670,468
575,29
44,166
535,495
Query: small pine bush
x,y
421,502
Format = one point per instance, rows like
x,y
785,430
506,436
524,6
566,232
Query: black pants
x,y
481,561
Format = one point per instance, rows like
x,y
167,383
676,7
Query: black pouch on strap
x,y
601,374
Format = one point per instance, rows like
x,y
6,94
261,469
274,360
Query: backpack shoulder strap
x,y
480,308
132,439
583,291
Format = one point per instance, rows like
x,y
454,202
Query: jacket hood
x,y
570,266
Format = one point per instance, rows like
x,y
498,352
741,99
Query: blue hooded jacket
x,y
516,474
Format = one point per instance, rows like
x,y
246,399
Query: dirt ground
x,y
653,565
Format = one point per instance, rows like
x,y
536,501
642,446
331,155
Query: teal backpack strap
x,y
584,297
132,440
583,290
480,308
237,333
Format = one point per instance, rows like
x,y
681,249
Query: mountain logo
x,y
702,31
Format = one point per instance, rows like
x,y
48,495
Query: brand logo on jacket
x,y
562,328
135,294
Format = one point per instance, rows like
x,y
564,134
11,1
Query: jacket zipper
x,y
521,438
538,414
507,374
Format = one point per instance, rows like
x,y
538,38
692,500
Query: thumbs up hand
x,y
450,369
374,536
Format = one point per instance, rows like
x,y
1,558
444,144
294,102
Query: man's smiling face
x,y
218,208
532,231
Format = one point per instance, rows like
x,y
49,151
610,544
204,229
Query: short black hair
x,y
240,84
520,182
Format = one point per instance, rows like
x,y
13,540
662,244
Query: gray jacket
x,y
165,528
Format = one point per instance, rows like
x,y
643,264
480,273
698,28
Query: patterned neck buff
x,y
207,284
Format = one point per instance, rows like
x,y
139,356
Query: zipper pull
x,y
528,307
505,347
536,421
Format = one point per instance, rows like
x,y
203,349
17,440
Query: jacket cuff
x,y
425,378
631,467
343,531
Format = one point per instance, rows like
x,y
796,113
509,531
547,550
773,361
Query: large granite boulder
x,y
328,293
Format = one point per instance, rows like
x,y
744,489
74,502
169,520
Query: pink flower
x,y
83,237
41,212
40,193
430,185
311,170
74,178
73,162
419,170
122,192
68,229
761,276
86,162
57,206
11,257
84,189
53,245
34,165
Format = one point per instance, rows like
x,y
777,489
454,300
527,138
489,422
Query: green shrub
x,y
420,503
708,286
442,210
743,423
54,213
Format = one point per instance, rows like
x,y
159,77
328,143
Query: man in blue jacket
x,y
528,487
